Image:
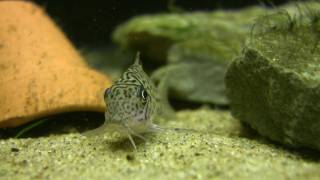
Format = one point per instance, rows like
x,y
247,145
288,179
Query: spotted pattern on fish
x,y
132,102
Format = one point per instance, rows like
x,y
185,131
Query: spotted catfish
x,y
132,103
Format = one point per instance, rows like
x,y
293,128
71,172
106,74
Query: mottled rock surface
x,y
156,33
185,40
196,82
275,85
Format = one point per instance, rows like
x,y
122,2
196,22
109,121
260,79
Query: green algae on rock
x,y
192,37
155,34
275,84
195,82
187,39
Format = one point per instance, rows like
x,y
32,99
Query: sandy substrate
x,y
221,148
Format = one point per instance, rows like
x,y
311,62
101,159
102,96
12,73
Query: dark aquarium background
x,y
90,23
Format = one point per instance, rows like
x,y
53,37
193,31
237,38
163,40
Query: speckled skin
x,y
132,103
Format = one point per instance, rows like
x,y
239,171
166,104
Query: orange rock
x,y
41,73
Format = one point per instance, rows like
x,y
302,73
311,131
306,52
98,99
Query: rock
x,y
195,82
185,40
41,73
274,86
155,34
206,49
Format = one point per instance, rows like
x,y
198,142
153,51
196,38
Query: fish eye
x,y
107,92
143,93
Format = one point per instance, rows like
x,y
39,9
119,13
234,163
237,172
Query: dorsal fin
x,y
137,60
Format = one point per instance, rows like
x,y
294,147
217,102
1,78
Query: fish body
x,y
132,102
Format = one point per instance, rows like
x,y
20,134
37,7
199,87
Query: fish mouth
x,y
116,127
144,116
136,117
137,122
140,117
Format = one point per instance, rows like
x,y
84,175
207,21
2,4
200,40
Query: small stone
x,y
14,149
130,157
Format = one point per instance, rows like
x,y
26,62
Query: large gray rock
x,y
188,40
197,47
275,85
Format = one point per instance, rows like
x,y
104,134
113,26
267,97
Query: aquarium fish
x,y
132,102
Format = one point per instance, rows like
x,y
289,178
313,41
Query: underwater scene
x,y
166,89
